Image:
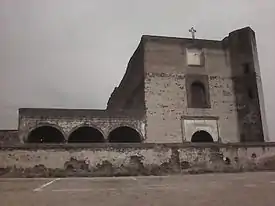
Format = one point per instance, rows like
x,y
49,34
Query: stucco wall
x,y
127,159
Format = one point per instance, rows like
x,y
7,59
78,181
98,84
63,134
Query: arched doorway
x,y
86,134
46,134
124,134
201,136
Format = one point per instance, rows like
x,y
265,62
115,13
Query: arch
x,y
201,136
86,134
198,95
46,134
124,134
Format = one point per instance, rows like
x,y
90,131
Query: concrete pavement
x,y
253,189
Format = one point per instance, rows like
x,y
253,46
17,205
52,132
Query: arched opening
x,y
86,134
198,95
46,134
124,134
201,136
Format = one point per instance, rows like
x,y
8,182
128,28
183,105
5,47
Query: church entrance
x,y
201,136
46,134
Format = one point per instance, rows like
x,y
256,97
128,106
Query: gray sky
x,y
71,53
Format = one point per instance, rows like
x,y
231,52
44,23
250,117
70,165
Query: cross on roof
x,y
192,31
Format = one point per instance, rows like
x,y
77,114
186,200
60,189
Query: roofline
x,y
90,113
59,109
160,37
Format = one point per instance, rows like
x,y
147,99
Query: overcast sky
x,y
72,53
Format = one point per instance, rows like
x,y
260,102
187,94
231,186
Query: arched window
x,y
198,95
124,134
46,134
86,134
201,136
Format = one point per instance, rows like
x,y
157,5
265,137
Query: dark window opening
x,y
201,136
124,134
246,68
198,95
46,134
86,134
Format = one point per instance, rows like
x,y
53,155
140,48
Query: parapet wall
x,y
9,137
133,159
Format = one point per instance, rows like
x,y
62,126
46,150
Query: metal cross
x,y
193,31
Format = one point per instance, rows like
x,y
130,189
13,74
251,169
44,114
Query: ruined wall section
x,y
130,93
247,84
9,137
166,93
133,159
66,121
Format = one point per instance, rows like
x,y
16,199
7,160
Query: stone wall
x,y
130,92
233,93
166,94
9,137
133,159
247,85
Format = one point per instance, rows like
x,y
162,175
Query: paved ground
x,y
253,189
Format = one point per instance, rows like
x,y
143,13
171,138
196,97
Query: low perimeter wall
x,y
133,159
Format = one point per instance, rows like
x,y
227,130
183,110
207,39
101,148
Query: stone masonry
x,y
175,90
162,72
68,121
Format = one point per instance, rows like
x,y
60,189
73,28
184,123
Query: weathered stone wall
x,y
247,85
130,92
69,120
9,137
166,93
133,159
231,76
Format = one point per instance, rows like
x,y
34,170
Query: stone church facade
x,y
175,90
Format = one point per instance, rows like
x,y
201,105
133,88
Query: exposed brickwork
x,y
167,103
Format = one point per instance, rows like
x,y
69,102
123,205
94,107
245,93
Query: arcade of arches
x,y
49,134
85,134
201,136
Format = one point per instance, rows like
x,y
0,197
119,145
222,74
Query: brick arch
x,y
122,132
91,130
53,134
